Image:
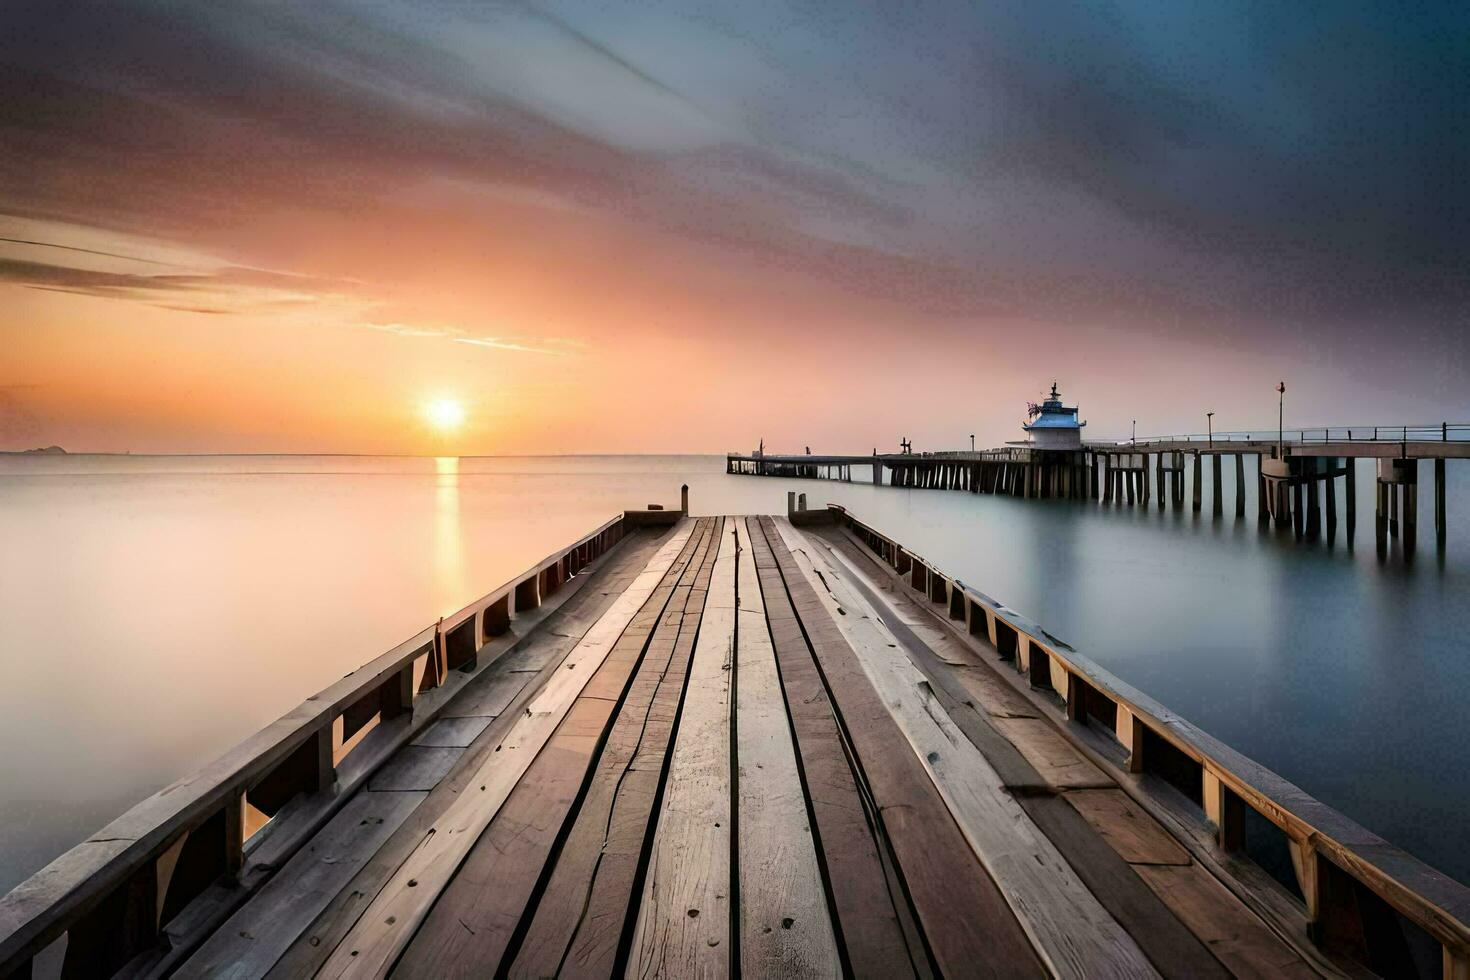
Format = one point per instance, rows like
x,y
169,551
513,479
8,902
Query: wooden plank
x,y
256,935
1135,835
372,945
547,646
968,925
993,695
1056,760
1240,940
1163,939
683,925
474,920
415,767
1069,928
454,731
867,916
579,921
785,928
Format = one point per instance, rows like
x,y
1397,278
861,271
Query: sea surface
x,y
156,610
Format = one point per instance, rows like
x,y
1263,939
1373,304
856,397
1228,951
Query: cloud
x,y
1155,160
529,345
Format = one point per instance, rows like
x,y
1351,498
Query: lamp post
x,y
1280,419
1210,424
1134,438
972,442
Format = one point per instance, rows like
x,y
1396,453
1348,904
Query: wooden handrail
x,y
291,755
1428,898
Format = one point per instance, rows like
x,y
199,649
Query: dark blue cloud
x,y
1251,159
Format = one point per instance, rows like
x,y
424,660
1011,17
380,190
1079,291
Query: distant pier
x,y
1295,480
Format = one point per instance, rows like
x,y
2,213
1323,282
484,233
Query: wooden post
x,y
1239,485
1411,504
1352,497
1439,508
1217,492
1225,810
1128,478
1159,472
1296,510
1393,510
1314,499
1107,478
1195,502
1093,476
1380,515
1331,487
1262,504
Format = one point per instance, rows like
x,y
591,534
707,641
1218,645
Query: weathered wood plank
x,y
867,919
1135,835
1240,940
1071,930
415,767
474,919
471,924
785,927
1163,939
371,946
454,731
683,925
251,941
580,919
993,695
1055,759
546,647
966,921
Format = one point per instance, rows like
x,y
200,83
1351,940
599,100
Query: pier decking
x,y
732,745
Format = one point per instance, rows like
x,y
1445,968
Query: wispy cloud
x,y
556,346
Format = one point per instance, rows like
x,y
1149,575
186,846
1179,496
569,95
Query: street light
x,y
1280,419
1135,432
1210,422
972,442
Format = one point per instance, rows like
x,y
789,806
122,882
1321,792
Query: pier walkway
x,y
732,745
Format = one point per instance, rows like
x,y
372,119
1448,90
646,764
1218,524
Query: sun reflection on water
x,y
449,563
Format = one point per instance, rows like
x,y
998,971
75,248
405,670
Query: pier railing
x,y
1361,897
1319,434
184,858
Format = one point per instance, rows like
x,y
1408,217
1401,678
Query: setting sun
x,y
445,414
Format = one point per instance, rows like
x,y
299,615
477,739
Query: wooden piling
x,y
1217,491
1314,499
1380,515
1262,509
1159,473
1411,504
1439,508
1239,484
1197,480
1331,488
1107,478
1351,478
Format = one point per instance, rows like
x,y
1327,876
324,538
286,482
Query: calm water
x,y
155,610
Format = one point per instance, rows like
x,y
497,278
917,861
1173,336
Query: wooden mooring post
x,y
1217,494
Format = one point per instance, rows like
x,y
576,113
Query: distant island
x,y
47,451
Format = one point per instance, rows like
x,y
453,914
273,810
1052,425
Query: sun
x,y
445,414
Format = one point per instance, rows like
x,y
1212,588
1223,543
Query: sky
x,y
596,227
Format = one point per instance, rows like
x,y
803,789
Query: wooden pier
x,y
727,746
1295,482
